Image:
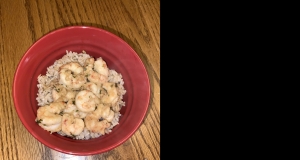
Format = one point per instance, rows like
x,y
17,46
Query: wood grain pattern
x,y
22,22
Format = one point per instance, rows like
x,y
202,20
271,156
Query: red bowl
x,y
97,43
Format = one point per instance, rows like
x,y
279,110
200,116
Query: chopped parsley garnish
x,y
39,121
72,135
105,90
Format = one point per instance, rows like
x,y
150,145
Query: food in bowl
x,y
79,97
97,43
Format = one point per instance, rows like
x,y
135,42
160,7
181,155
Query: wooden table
x,y
22,22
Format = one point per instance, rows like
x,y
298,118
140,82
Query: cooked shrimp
x,y
51,128
71,75
79,114
90,86
60,93
72,66
85,98
92,119
70,106
111,95
101,67
72,126
89,65
104,111
86,101
91,70
96,78
72,109
57,93
94,125
48,116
